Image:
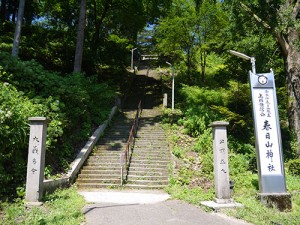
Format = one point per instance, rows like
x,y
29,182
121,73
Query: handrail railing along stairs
x,y
125,157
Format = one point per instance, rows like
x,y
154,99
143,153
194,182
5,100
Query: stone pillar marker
x,y
165,100
36,160
221,169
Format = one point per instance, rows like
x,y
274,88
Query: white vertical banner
x,y
267,133
268,138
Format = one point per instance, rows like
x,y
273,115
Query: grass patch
x,y
62,207
254,211
191,195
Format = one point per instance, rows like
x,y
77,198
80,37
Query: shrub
x,y
294,167
15,109
73,104
238,163
178,152
204,143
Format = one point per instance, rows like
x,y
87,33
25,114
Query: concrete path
x,y
147,208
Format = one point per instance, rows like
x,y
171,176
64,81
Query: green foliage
x,y
61,207
178,152
170,116
238,163
203,143
15,109
190,32
73,104
184,175
207,164
294,167
197,108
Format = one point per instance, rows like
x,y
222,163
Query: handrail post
x,y
126,155
122,165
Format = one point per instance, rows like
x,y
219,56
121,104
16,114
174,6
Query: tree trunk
x,y
3,11
290,49
17,38
80,37
189,65
203,55
98,22
293,78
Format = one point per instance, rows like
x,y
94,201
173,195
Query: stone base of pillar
x,y
223,201
281,201
33,204
218,206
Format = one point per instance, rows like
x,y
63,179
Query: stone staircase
x,y
102,169
149,167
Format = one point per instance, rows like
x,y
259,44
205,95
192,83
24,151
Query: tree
x,y
281,19
17,38
191,27
211,21
176,33
80,37
3,10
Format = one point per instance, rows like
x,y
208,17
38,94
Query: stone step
x,y
148,182
99,172
148,161
149,168
112,140
149,138
151,124
96,158
151,133
95,166
148,173
144,129
100,181
103,164
116,149
132,177
98,176
149,145
150,152
151,157
97,185
109,148
150,148
105,153
146,140
141,186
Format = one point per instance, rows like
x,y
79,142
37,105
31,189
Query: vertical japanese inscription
x,y
223,156
267,136
35,151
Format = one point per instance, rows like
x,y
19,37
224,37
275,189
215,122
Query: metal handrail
x,y
126,155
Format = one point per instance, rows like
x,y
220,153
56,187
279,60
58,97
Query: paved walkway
x,y
147,208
